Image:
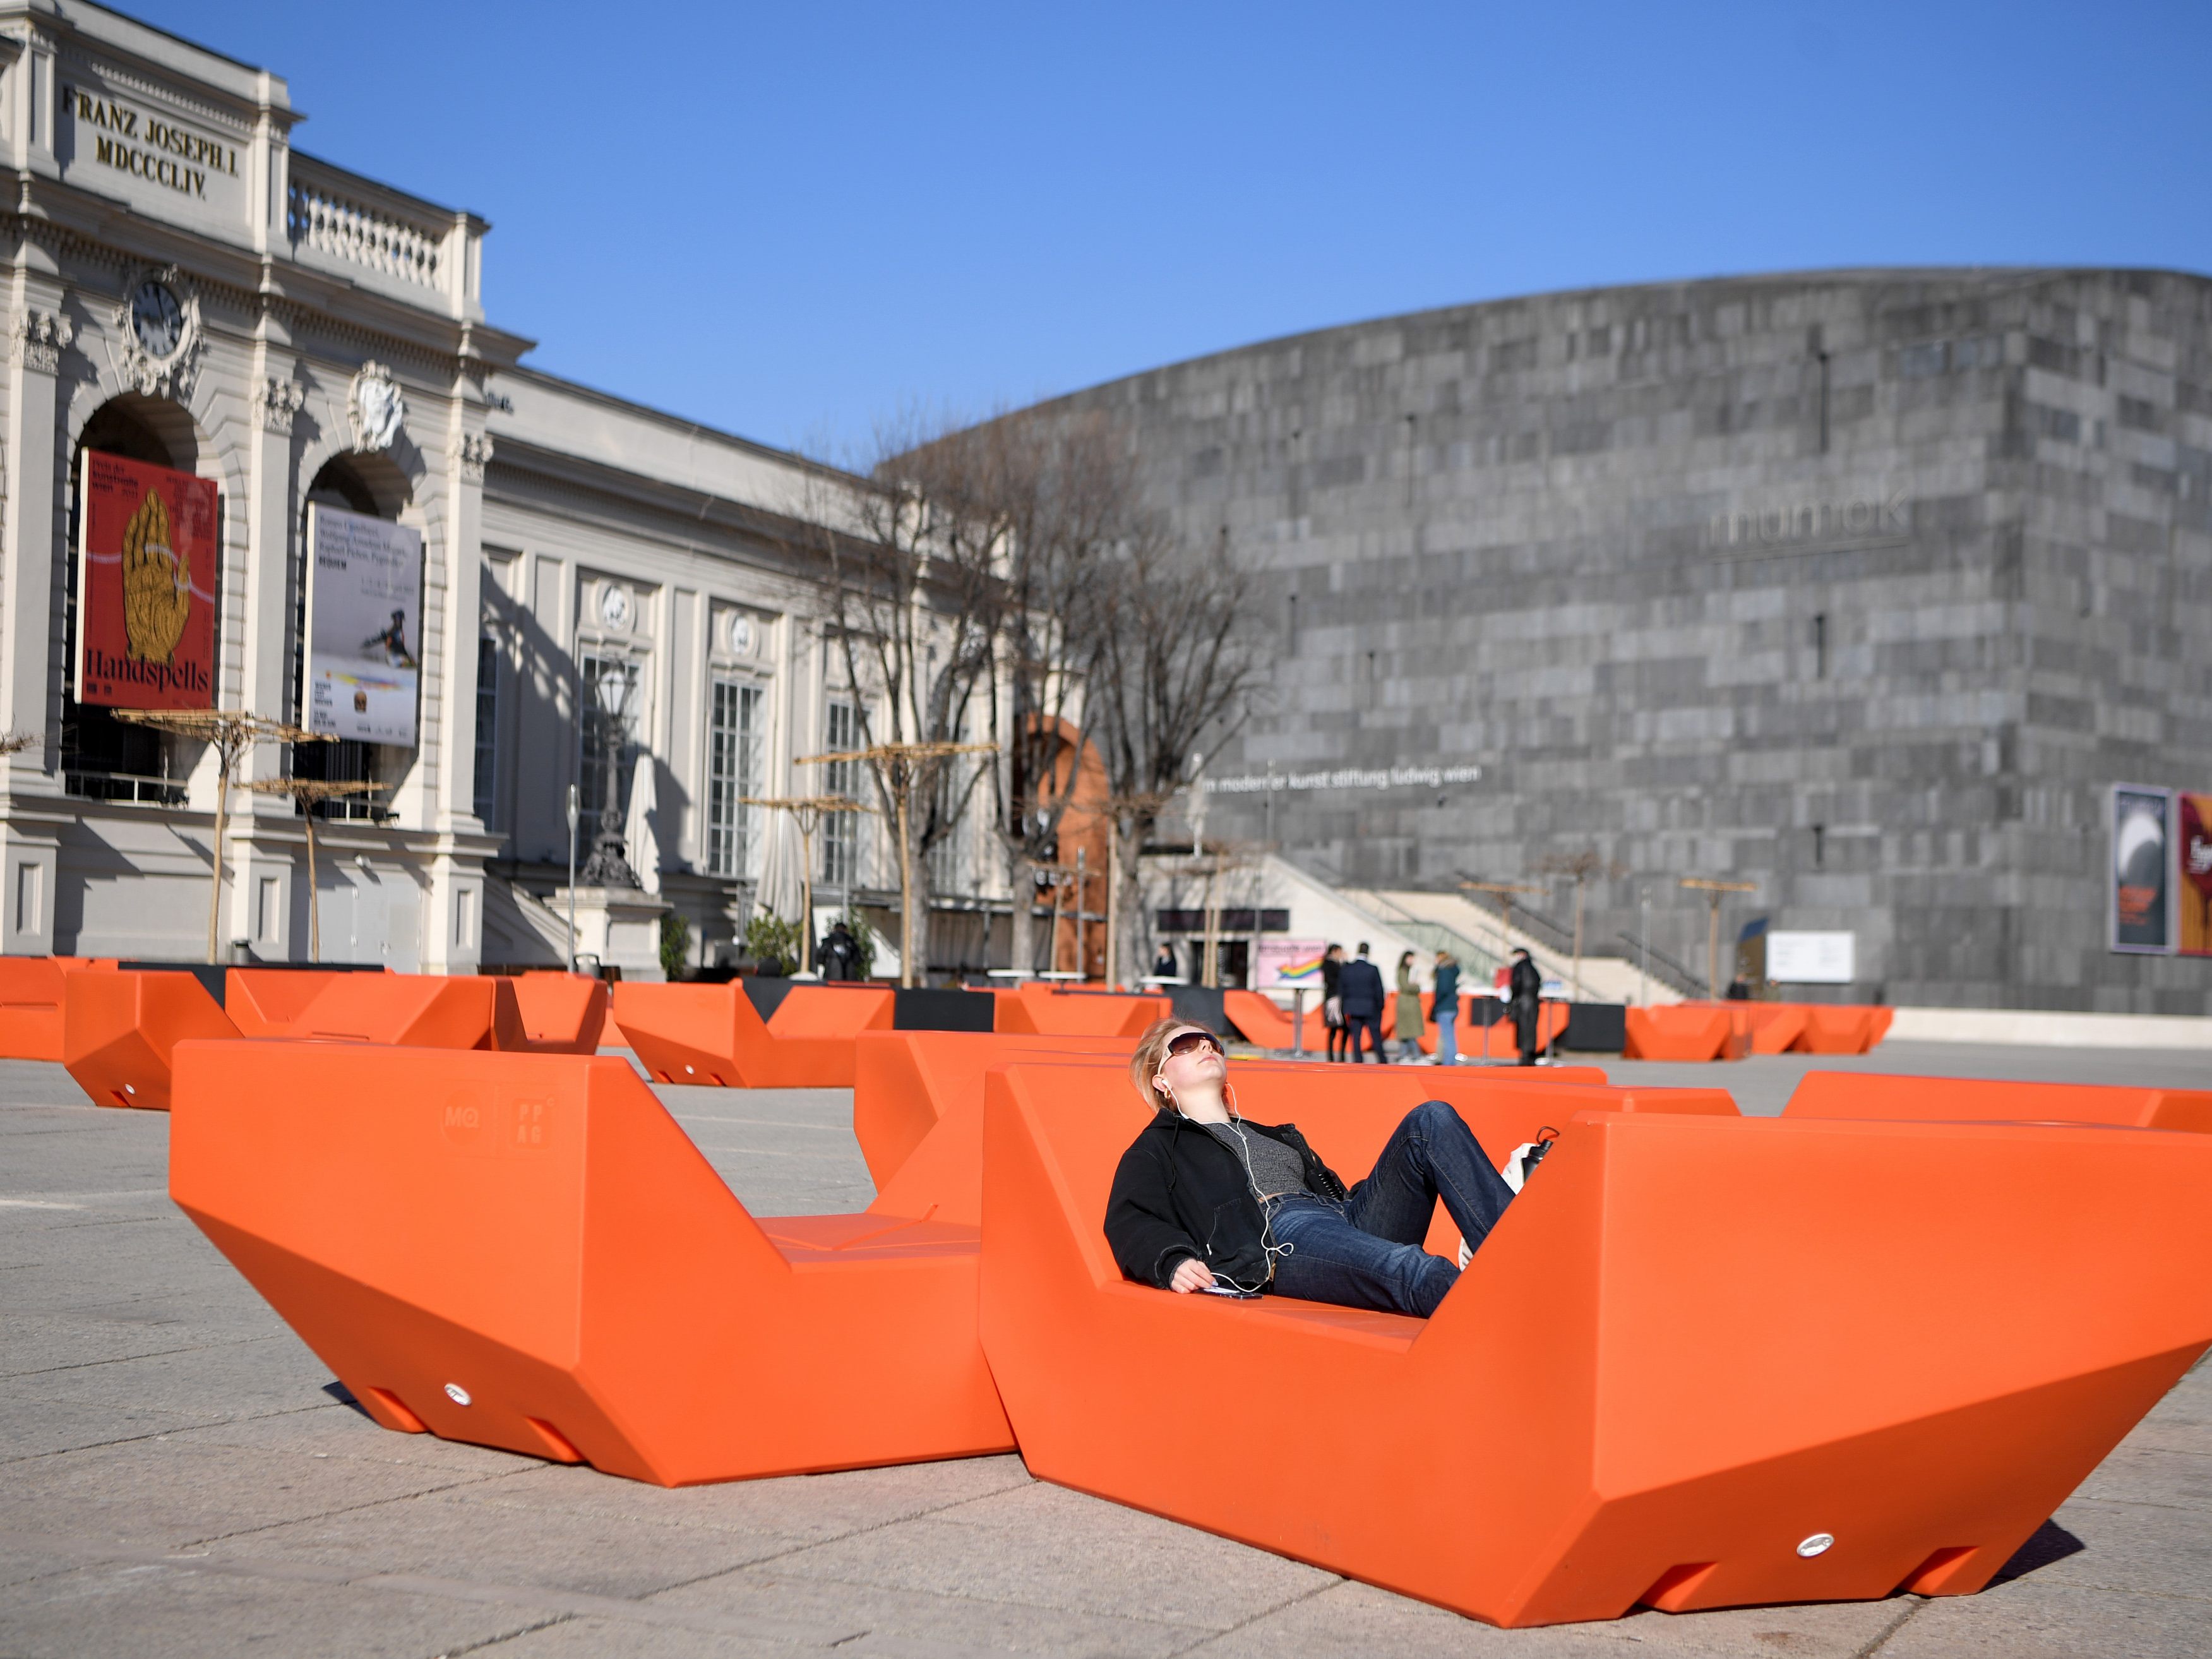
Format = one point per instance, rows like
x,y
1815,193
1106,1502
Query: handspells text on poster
x,y
364,626
146,585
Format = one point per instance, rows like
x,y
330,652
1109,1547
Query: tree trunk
x,y
1021,884
907,897
221,819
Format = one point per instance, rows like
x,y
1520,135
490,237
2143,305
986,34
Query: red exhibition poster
x,y
2195,884
146,586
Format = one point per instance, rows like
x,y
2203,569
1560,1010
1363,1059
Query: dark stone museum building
x,y
1863,586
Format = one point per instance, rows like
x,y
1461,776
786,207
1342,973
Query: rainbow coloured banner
x,y
1290,964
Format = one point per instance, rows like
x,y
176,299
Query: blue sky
x,y
793,221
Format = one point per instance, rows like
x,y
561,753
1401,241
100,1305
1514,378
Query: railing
x,y
122,786
336,224
1437,936
1669,969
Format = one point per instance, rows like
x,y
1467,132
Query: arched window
x,y
101,757
371,486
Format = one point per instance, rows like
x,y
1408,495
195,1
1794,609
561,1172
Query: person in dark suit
x,y
840,955
1331,1010
1524,991
1359,989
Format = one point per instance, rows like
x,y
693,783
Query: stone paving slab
x,y
179,1475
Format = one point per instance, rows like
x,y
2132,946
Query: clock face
x,y
614,606
156,318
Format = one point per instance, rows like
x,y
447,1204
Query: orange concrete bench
x,y
119,1027
1841,1030
31,1003
526,1251
1806,1028
1951,1099
1688,1030
557,1014
1264,1024
918,1105
1702,1361
1775,1026
712,1034
269,1001
1047,1011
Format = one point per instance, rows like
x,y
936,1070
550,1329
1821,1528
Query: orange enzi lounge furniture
x,y
1944,1099
1047,1011
1775,1026
1688,1030
1500,1040
1264,1024
559,1013
526,1251
118,1028
1834,1029
31,1003
918,1111
712,1034
1702,1361
918,1106
269,1001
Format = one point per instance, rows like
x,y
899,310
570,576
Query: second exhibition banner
x,y
364,626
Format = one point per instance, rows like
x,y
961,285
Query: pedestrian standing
x,y
1444,1005
1332,1004
1359,989
1408,1021
1524,989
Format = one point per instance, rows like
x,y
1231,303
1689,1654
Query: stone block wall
x,y
1863,586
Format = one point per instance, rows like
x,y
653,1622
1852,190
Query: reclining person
x,y
1207,1201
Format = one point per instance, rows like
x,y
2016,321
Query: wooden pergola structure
x,y
308,793
1714,890
901,768
234,733
807,811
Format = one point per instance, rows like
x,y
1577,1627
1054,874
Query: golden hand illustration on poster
x,y
157,584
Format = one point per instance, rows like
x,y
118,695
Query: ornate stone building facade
x,y
602,583
1864,587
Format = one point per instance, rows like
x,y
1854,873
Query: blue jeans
x,y
1366,1251
1447,1039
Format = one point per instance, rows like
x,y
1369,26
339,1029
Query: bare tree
x,y
915,600
1042,504
1173,670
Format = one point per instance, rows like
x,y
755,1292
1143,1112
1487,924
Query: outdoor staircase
x,y
1480,939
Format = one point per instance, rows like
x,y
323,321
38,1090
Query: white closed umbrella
x,y
779,892
639,838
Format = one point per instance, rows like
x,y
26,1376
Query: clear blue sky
x,y
792,220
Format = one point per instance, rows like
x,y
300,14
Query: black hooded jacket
x,y
1179,1192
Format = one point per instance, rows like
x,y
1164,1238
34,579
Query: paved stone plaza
x,y
179,1476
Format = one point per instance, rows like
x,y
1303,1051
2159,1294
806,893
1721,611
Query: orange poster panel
x,y
2194,893
146,586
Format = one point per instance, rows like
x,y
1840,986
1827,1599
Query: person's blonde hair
x,y
1153,1054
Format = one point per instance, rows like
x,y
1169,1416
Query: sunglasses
x,y
1185,1042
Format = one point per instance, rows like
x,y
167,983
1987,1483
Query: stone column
x,y
452,939
31,812
267,854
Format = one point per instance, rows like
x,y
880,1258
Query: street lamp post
x,y
574,815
